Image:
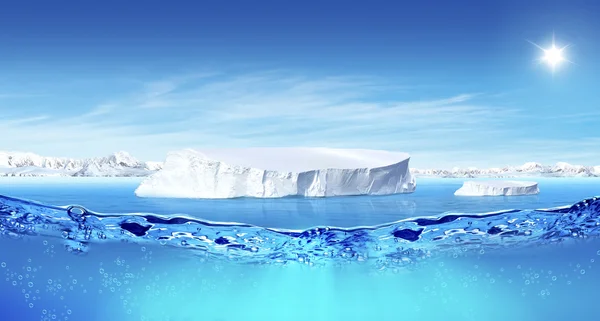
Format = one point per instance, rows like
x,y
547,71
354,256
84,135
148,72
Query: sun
x,y
553,55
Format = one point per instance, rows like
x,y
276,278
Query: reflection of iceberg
x,y
279,172
293,212
340,211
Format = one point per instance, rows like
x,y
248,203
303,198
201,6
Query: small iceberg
x,y
497,188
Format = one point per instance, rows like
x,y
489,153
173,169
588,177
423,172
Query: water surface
x,y
513,265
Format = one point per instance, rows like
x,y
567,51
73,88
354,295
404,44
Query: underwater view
x,y
472,260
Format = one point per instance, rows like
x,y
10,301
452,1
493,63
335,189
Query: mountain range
x,y
531,169
122,164
119,164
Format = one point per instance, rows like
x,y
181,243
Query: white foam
x,y
497,188
279,172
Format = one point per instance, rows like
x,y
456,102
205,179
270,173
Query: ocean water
x,y
422,256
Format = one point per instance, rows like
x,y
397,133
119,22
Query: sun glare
x,y
554,55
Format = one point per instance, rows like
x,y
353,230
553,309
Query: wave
x,y
398,243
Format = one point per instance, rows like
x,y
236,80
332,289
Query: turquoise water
x,y
60,264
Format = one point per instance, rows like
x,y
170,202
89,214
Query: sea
x,y
88,249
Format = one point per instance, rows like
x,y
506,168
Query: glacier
x,y
279,172
497,188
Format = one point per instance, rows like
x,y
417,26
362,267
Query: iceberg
x,y
497,188
279,172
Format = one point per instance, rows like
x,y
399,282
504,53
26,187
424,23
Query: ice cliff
x,y
279,172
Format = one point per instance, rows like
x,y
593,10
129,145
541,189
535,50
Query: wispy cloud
x,y
274,108
23,121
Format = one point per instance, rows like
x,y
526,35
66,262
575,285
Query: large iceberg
x,y
279,172
497,188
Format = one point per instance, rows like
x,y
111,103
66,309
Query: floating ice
x,y
279,172
497,188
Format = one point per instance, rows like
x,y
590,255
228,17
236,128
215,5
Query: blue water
x,y
434,196
424,256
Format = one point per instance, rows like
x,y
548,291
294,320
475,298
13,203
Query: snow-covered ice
x,y
279,172
497,188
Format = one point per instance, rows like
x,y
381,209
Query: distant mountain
x,y
122,164
119,164
560,169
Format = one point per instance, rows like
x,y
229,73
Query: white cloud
x,y
277,109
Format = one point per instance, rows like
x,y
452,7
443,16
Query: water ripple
x,y
398,243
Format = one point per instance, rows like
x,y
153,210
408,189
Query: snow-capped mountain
x,y
560,169
122,164
119,164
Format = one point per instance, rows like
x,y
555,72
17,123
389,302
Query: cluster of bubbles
x,y
35,290
132,281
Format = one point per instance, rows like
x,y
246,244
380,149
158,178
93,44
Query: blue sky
x,y
453,83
